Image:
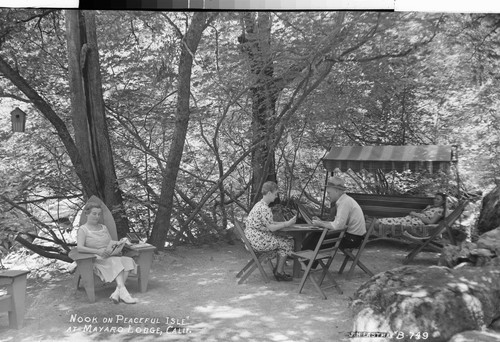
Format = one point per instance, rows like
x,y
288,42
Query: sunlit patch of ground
x,y
193,295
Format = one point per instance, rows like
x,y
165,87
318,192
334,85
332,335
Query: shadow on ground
x,y
193,296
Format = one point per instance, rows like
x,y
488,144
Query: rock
x,y
480,253
490,240
489,218
495,325
476,336
453,255
437,300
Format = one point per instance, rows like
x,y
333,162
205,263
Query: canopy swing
x,y
430,158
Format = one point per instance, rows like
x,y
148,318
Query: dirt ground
x,y
193,295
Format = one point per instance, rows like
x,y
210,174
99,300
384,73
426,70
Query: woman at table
x,y
430,215
94,237
260,229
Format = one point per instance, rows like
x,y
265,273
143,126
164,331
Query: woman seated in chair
x,y
430,215
94,237
260,227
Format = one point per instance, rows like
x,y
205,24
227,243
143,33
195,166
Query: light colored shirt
x,y
349,214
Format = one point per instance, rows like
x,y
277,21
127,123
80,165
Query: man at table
x,y
349,214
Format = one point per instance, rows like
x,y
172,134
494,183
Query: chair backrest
x,y
455,214
106,217
238,227
324,240
390,205
368,234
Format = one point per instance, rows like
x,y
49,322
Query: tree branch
x,y
41,251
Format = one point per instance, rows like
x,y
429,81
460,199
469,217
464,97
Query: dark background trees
x,y
176,119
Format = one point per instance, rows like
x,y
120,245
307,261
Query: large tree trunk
x,y
256,40
189,46
88,114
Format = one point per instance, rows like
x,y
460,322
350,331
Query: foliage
x,y
342,78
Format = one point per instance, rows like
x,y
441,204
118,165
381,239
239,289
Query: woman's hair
x,y
91,205
444,205
269,186
443,195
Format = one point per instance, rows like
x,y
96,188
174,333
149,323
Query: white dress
x,y
106,268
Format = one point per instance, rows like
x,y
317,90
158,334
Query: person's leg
x,y
285,248
280,268
120,281
115,296
125,296
311,241
351,241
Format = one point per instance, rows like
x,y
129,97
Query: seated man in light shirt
x,y
349,214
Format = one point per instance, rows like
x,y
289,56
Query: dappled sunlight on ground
x,y
193,295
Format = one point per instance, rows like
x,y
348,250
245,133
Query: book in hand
x,y
115,247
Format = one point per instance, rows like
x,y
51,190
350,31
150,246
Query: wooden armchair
x,y
14,301
142,254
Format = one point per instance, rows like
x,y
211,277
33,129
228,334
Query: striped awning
x,y
387,158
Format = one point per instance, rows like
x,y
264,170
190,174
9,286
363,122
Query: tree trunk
x,y
189,46
256,40
88,114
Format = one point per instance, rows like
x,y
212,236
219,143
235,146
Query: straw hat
x,y
337,183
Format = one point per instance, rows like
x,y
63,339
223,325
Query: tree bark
x,y
256,40
189,46
88,114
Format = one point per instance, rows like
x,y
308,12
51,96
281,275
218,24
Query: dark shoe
x,y
282,276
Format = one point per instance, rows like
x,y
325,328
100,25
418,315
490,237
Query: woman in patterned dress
x,y
260,227
94,237
430,215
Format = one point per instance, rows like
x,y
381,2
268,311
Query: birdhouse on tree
x,y
18,118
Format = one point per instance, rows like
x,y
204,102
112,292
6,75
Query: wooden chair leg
x,y
356,262
240,273
335,284
306,273
344,264
16,316
262,272
86,270
248,273
144,261
317,286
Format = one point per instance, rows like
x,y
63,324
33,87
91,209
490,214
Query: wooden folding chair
x,y
257,260
324,257
445,224
349,255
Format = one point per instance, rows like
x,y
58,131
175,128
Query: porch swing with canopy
x,y
384,159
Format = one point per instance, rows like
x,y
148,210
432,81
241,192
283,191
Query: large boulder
x,y
438,301
490,240
476,336
489,218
